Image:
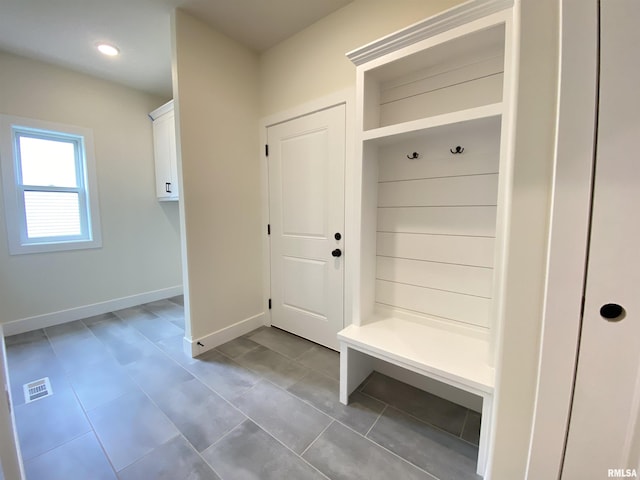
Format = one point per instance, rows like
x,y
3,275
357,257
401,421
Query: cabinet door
x,y
164,146
173,162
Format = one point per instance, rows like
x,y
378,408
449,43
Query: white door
x,y
306,204
604,433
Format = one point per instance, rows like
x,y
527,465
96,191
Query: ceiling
x,y
65,32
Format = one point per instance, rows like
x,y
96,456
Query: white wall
x,y
216,98
141,249
312,63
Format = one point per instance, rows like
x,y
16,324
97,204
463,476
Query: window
x,y
49,186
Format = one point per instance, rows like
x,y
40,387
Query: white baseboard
x,y
50,319
221,336
455,395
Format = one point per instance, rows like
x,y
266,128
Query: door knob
x,y
337,252
612,312
337,236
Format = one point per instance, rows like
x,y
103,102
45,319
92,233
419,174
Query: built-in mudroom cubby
x,y
431,191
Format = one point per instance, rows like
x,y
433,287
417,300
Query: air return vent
x,y
37,389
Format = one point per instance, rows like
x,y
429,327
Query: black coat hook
x,y
458,150
413,156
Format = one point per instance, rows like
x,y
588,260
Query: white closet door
x,y
306,204
604,434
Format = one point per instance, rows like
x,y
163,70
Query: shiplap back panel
x,y
436,224
481,144
446,276
448,191
443,76
468,221
437,303
461,250
458,89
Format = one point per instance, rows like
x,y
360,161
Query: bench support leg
x,y
485,426
355,366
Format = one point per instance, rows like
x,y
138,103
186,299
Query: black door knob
x,y
337,236
612,312
337,252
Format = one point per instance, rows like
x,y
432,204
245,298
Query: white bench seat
x,y
452,357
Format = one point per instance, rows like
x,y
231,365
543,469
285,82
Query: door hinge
x,y
269,304
266,150
268,229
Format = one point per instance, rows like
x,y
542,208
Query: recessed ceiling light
x,y
107,49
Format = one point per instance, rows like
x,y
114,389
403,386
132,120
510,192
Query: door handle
x,y
337,252
167,187
612,312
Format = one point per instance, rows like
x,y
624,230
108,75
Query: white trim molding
x,y
77,313
197,346
454,17
568,237
85,188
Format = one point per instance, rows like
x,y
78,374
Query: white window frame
x,y
11,128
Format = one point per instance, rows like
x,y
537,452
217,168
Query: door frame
x,y
568,236
344,97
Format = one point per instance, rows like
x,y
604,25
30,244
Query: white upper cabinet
x,y
164,149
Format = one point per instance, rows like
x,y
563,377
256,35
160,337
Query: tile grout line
x,y
287,447
389,451
84,411
424,422
128,375
319,435
264,429
189,445
295,362
25,461
384,409
262,378
75,395
335,420
228,402
464,424
366,383
177,429
199,454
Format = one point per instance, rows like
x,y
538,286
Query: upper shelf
x,y
407,130
458,74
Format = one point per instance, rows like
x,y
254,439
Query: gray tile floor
x,y
128,404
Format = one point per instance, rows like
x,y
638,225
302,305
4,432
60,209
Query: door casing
x,y
344,97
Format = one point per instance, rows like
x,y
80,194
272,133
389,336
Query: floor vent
x,y
37,389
